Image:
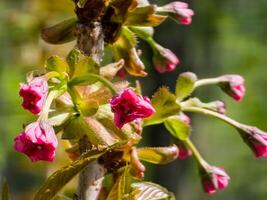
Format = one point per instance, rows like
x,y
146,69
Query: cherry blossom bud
x,y
179,11
213,179
128,106
164,59
34,94
256,140
38,141
233,85
217,106
184,152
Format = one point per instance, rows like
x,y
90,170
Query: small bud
x,y
233,85
217,106
164,59
34,94
138,169
184,152
128,106
38,141
213,178
256,140
178,11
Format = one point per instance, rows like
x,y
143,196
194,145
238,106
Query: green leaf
x,y
72,59
177,127
158,155
185,85
58,118
150,191
143,32
144,16
5,195
75,129
60,178
165,104
86,66
60,33
55,63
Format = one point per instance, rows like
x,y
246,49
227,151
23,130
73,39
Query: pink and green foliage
x,y
102,117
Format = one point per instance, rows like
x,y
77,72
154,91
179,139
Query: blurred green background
x,y
225,37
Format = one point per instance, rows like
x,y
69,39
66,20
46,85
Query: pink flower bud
x,y
256,140
217,106
38,141
128,106
164,59
179,11
34,94
233,85
213,178
184,152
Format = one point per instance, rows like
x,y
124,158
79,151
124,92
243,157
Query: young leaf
x,y
55,63
5,195
60,178
150,191
86,66
185,85
124,48
72,59
60,33
165,104
144,16
177,127
158,155
89,107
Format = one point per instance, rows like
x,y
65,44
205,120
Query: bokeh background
x,y
225,37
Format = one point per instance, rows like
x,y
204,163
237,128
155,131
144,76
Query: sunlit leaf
x,y
60,33
86,66
177,127
165,104
150,191
158,155
60,178
185,85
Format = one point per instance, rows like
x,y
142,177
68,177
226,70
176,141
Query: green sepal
x,y
143,32
165,105
60,33
88,107
178,128
185,85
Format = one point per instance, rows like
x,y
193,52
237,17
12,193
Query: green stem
x,y
208,81
89,77
195,152
213,114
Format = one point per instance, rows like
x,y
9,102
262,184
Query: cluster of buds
x,y
102,117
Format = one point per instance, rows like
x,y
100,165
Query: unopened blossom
x,y
217,106
38,141
233,85
183,152
179,11
34,94
256,140
164,59
213,179
128,106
